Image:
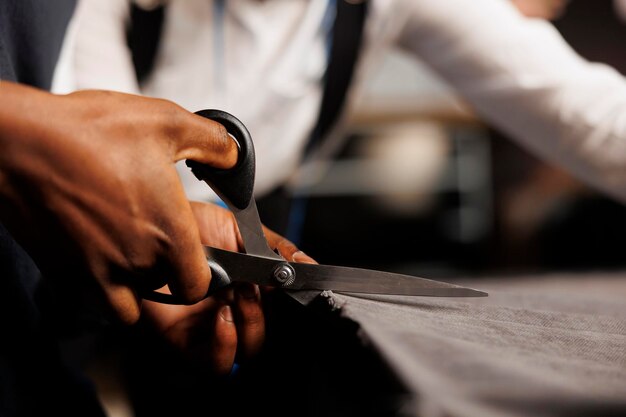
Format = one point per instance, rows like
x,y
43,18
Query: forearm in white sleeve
x,y
102,59
523,78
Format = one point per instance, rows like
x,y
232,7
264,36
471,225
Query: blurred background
x,y
447,193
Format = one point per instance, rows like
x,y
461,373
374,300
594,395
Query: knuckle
x,y
170,117
173,117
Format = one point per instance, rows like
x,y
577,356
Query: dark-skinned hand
x,y
230,325
89,188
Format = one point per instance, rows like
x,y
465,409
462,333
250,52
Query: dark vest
x,y
31,34
34,379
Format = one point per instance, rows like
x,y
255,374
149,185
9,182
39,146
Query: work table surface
x,y
538,345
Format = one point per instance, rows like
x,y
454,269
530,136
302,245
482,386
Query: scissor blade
x,y
357,280
261,270
254,240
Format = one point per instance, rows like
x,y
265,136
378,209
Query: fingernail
x,y
227,314
248,291
302,257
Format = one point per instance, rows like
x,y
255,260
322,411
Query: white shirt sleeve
x,y
523,78
102,59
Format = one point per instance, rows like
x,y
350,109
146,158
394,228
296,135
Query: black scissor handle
x,y
235,185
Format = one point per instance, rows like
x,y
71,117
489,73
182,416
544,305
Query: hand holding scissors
x,y
261,265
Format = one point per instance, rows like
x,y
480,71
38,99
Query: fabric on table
x,y
553,345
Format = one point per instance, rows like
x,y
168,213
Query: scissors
x,y
263,266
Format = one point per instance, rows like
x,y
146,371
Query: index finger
x,y
286,248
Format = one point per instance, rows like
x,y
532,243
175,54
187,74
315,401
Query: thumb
x,y
205,141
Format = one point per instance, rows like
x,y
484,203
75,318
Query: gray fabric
x,y
551,345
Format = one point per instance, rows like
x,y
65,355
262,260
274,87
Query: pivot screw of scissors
x,y
284,274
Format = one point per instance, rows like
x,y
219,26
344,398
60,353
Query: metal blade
x,y
254,240
265,271
357,280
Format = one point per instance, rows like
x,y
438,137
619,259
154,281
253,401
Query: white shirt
x,y
517,73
